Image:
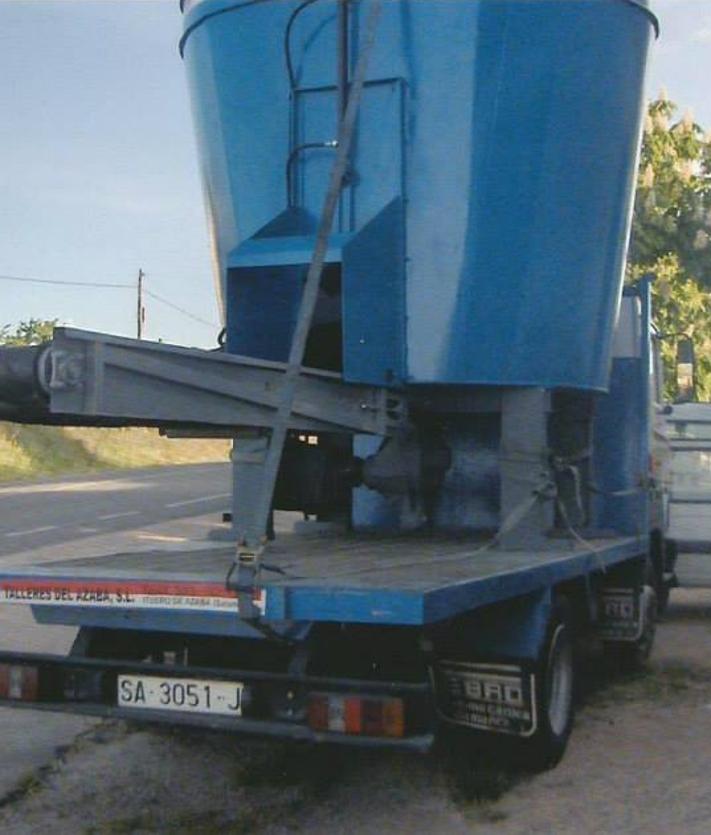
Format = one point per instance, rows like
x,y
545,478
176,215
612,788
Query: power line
x,y
28,280
102,285
179,309
140,307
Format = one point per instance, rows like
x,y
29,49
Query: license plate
x,y
188,695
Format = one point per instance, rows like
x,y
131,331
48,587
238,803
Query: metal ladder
x,y
265,467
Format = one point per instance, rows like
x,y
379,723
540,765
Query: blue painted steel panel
x,y
469,498
374,268
328,601
377,175
621,440
166,620
520,131
617,467
189,623
284,250
467,595
264,302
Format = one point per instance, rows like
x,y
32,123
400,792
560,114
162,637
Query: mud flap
x,y
498,698
620,615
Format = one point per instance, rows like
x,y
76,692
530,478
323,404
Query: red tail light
x,y
359,715
18,681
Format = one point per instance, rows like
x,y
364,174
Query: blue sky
x,y
99,174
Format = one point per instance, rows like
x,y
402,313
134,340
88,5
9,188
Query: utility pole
x,y
140,309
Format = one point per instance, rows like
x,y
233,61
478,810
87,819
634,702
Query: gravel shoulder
x,y
639,762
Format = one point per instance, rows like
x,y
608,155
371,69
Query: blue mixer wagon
x,y
419,212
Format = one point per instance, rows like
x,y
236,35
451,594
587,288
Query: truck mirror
x,y
685,370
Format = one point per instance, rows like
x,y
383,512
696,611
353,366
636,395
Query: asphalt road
x,y
69,509
87,515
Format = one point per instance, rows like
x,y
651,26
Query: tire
x,y
671,552
630,656
663,554
663,599
555,692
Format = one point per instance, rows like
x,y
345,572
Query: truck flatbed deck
x,y
408,580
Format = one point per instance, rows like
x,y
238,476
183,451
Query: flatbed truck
x,y
427,354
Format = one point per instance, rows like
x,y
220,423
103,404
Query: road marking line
x,y
107,516
156,537
31,531
187,502
75,487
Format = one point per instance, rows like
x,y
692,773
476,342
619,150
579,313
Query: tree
x,y
673,205
31,332
671,233
681,306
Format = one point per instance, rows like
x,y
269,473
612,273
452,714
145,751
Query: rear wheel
x,y
555,689
507,711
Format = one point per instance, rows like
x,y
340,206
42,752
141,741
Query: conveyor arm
x,y
84,378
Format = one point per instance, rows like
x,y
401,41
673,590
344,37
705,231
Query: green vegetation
x,y
33,451
31,332
671,233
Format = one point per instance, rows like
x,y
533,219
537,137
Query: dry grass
x,y
33,451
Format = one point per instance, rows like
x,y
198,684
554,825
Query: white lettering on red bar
x,y
134,596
